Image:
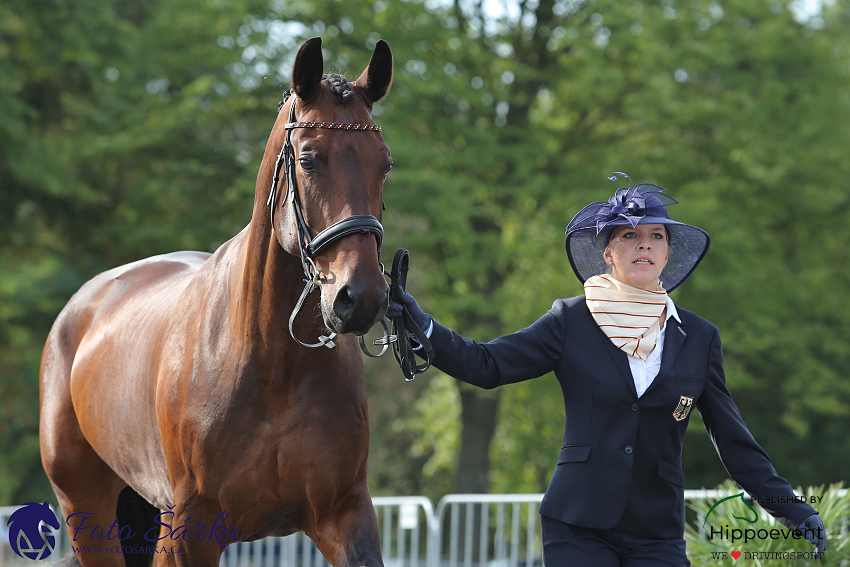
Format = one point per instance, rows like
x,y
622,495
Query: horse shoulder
x,y
116,305
99,362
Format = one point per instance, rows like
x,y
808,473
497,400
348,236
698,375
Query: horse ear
x,y
308,68
378,76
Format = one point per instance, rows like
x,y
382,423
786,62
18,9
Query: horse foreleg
x,y
86,487
348,536
87,490
190,553
192,537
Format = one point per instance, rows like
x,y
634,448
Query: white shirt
x,y
645,371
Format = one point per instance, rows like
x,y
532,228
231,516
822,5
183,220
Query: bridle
x,y
310,247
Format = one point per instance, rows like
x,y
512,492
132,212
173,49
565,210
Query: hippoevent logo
x,y
31,531
736,535
31,536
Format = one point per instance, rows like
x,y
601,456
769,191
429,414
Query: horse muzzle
x,y
355,309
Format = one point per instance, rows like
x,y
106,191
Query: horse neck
x,y
265,284
267,280
264,273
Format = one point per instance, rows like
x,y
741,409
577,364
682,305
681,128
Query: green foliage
x,y
718,103
736,514
433,422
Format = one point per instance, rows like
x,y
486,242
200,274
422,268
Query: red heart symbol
x,y
735,554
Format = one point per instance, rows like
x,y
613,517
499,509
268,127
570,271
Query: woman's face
x,y
637,255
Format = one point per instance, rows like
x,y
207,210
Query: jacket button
x,y
635,407
628,449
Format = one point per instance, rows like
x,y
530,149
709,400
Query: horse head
x,y
336,181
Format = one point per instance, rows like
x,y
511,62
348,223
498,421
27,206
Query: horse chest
x,y
251,430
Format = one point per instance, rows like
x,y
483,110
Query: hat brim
x,y
688,245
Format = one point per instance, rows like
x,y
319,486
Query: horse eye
x,y
389,169
306,163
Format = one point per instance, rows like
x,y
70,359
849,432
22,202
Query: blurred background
x,y
136,127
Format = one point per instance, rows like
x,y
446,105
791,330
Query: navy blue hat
x,y
589,231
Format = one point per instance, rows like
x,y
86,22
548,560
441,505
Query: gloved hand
x,y
422,319
814,532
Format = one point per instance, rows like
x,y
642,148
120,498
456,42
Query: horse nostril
x,y
345,303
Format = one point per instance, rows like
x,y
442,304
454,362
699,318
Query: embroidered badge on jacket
x,y
681,411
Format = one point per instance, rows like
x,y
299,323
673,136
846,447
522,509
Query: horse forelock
x,y
338,84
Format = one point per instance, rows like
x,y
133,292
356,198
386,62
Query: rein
x,y
310,247
403,327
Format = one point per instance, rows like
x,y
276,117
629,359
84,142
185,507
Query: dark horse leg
x,y
140,516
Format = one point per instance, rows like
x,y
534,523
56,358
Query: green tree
x,y
736,107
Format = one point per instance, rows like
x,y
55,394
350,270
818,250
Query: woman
x,y
631,366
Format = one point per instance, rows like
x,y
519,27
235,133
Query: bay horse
x,y
175,383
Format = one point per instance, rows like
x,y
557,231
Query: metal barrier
x,y
408,530
493,530
465,530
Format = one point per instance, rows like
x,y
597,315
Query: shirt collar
x,y
671,310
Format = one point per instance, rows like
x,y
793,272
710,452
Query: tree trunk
x,y
478,416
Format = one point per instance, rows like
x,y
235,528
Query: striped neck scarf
x,y
629,316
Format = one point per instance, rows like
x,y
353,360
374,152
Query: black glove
x,y
814,532
422,319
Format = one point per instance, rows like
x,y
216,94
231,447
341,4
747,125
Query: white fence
x,y
465,530
497,530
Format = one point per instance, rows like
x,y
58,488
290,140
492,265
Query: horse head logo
x,y
741,496
30,533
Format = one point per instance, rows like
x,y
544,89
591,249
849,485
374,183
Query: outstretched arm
x,y
526,354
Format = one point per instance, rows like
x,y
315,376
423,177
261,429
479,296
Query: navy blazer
x,y
620,466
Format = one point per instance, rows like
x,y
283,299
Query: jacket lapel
x,y
621,360
618,357
674,338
